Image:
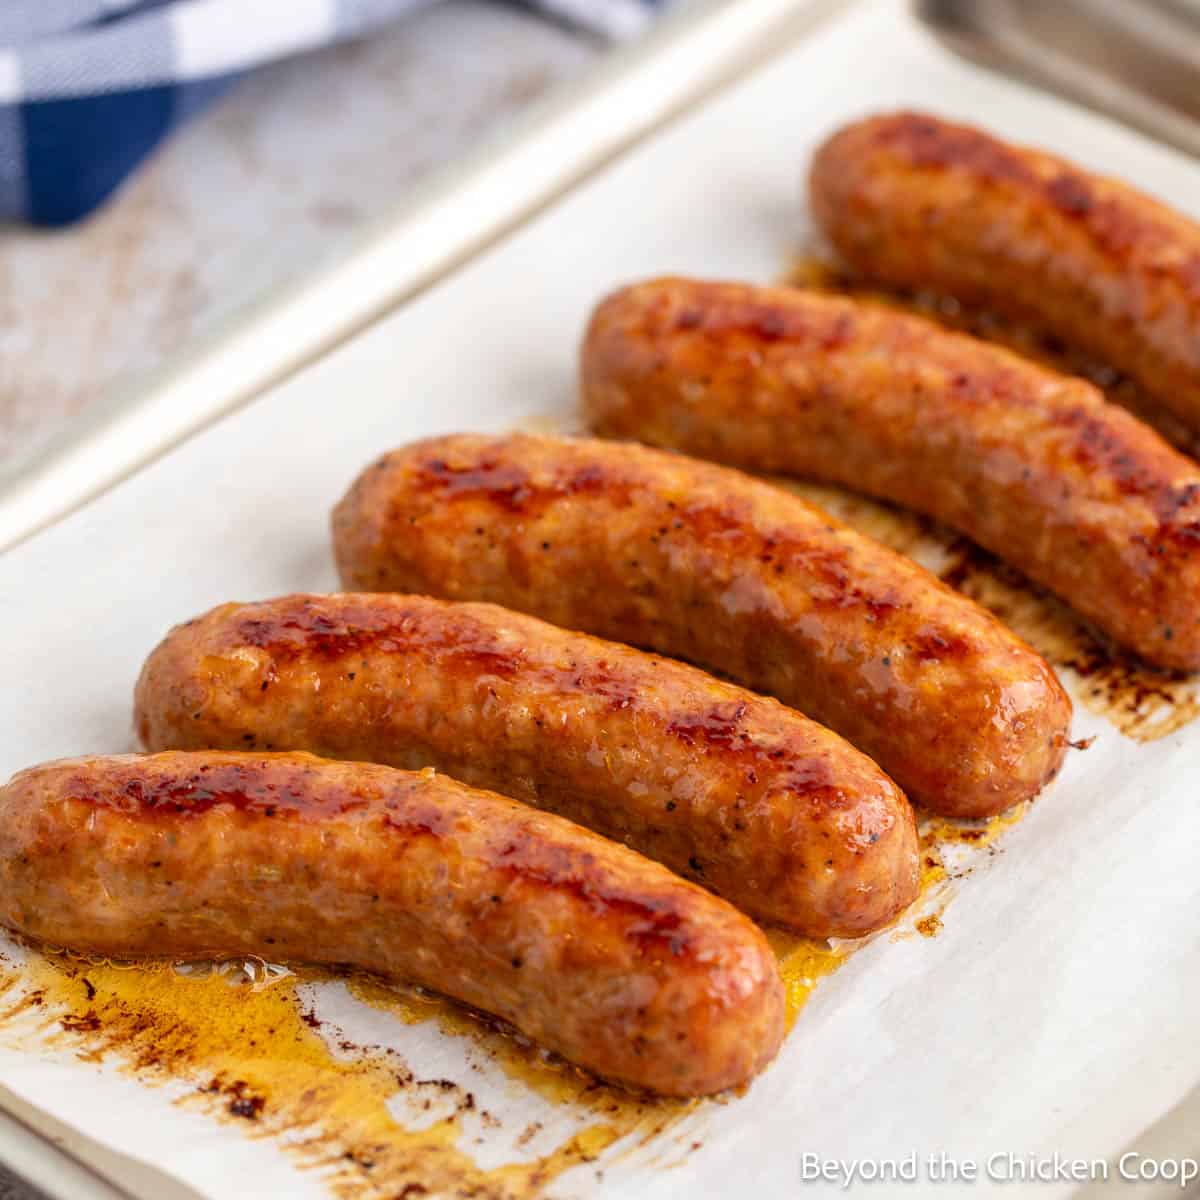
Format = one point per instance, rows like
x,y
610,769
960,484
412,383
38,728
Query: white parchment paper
x,y
1054,1013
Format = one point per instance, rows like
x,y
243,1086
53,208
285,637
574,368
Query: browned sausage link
x,y
583,945
914,200
762,805
709,565
1035,466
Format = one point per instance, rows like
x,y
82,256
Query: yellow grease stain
x,y
251,1051
804,962
542,1072
937,832
255,1061
1143,703
950,850
254,1058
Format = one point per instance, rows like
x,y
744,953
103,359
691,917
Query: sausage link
x,y
765,807
1035,466
913,200
708,565
583,945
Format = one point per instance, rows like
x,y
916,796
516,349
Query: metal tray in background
x,y
690,54
1136,60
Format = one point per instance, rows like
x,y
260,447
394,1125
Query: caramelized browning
x,y
241,785
730,789
818,271
1032,465
585,946
910,199
710,566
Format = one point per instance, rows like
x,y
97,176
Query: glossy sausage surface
x,y
583,945
709,565
914,200
767,808
1035,466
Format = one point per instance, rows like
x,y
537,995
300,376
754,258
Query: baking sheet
x,y
1051,1012
691,51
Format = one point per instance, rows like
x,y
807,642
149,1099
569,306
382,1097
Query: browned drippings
x,y
1142,702
255,1058
949,852
258,1059
929,926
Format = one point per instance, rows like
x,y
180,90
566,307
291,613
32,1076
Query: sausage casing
x,y
1035,466
767,808
913,200
587,947
709,565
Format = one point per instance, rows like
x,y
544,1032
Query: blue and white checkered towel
x,y
89,87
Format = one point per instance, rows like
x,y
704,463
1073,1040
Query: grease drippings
x,y
803,963
950,850
253,1052
255,1056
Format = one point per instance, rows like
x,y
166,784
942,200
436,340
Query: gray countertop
x,y
277,175
274,177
